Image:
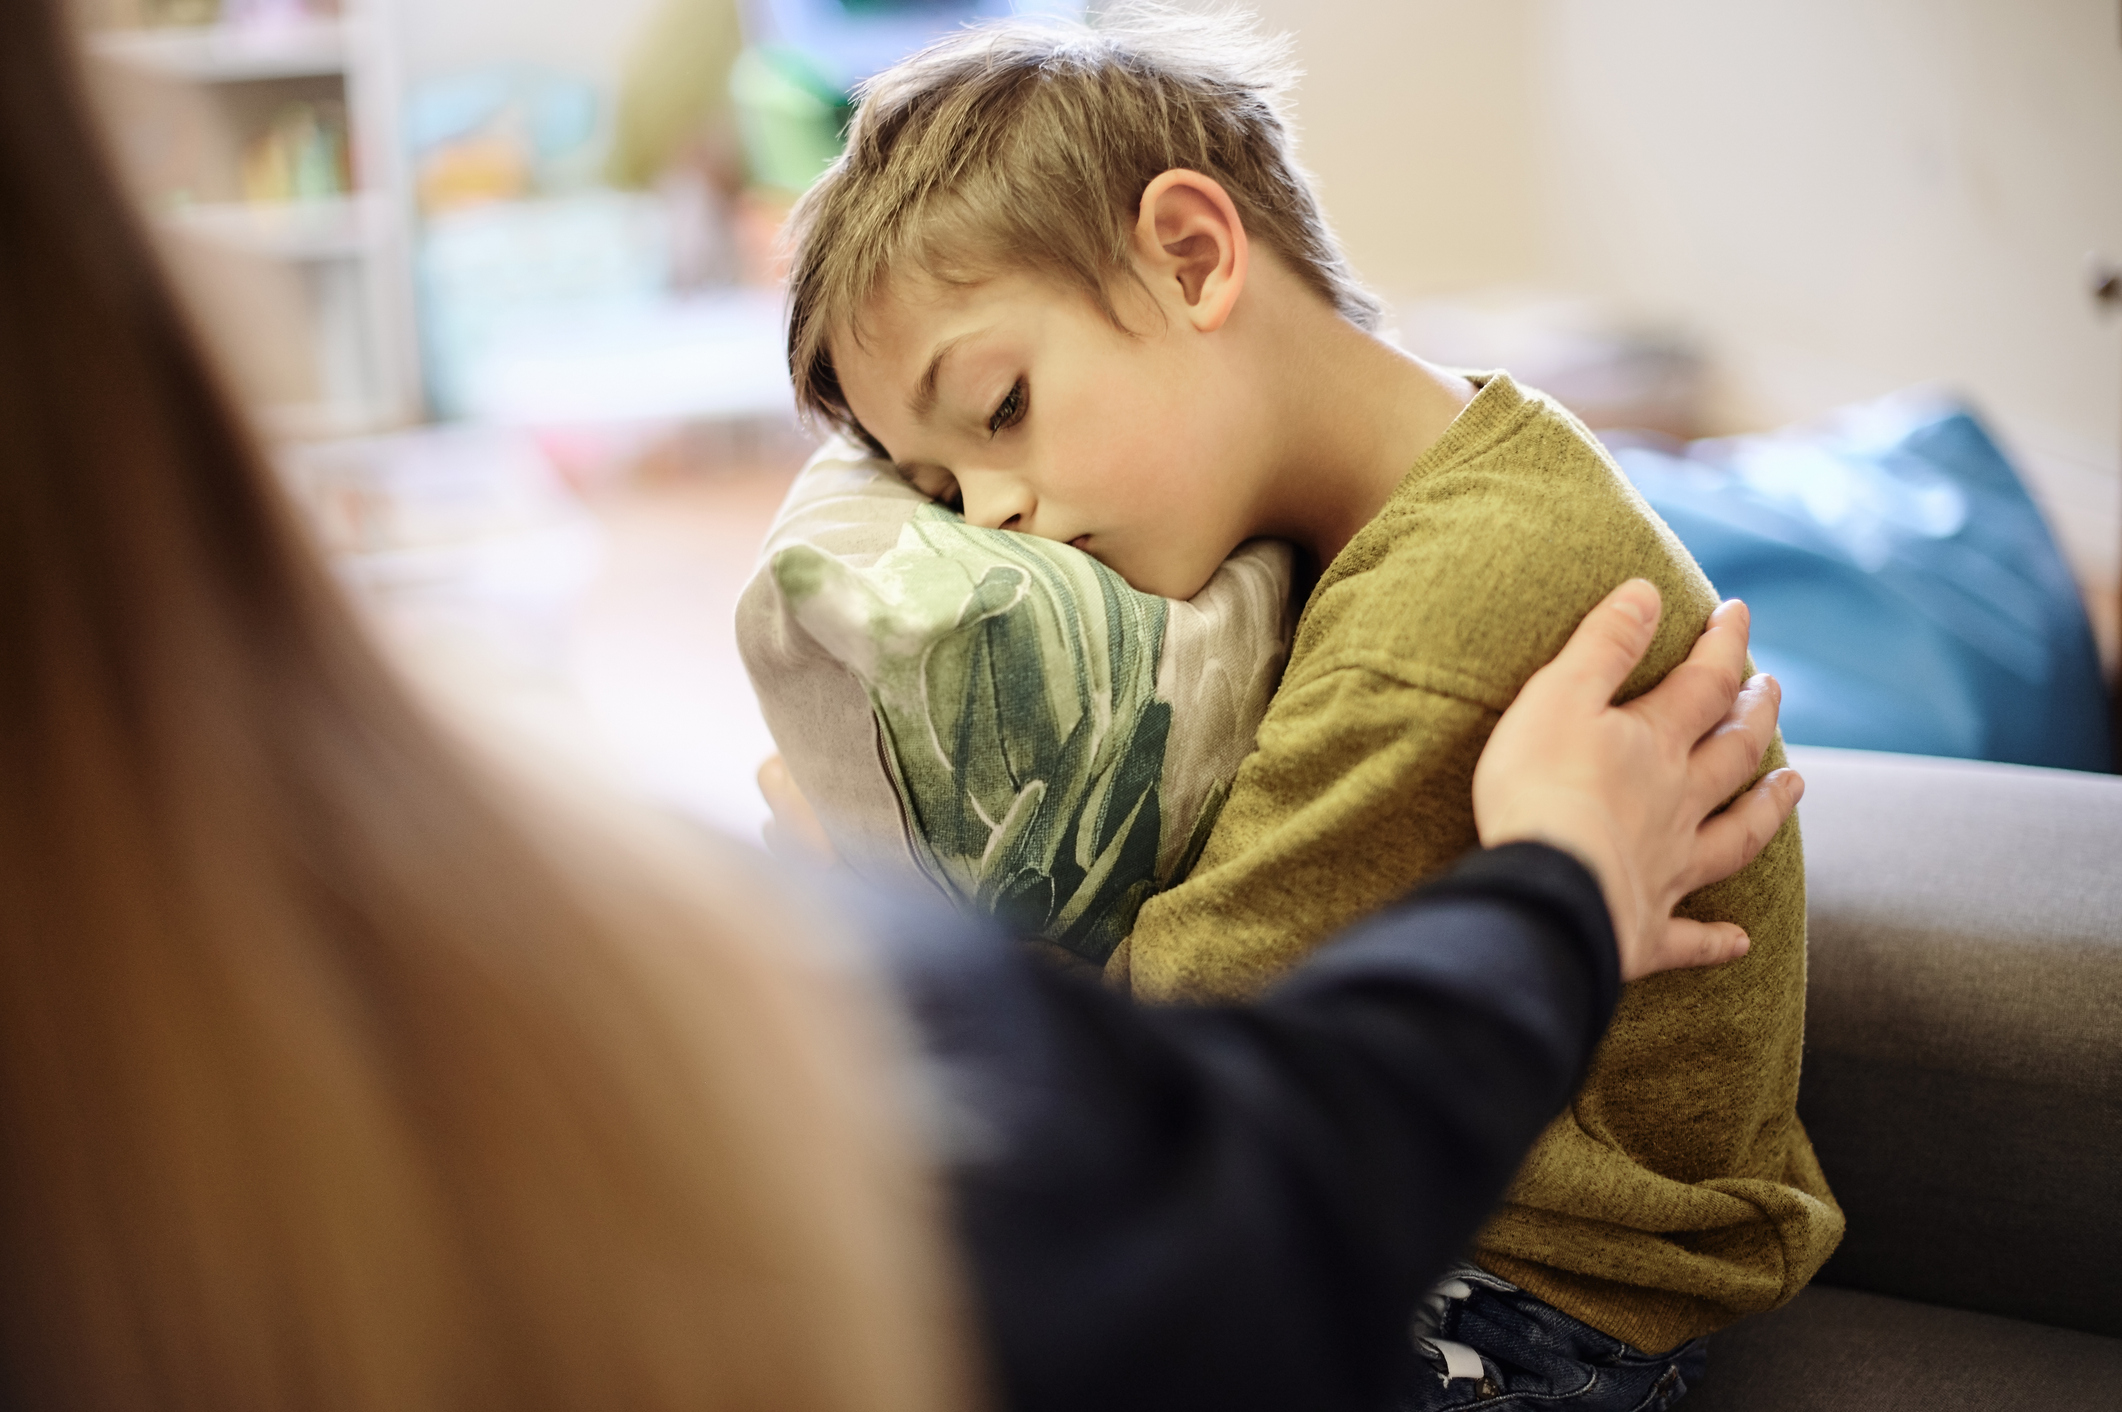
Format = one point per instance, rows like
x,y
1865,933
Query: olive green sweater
x,y
1678,1192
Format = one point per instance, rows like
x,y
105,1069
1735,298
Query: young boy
x,y
1074,282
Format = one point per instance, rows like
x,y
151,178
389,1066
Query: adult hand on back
x,y
1630,789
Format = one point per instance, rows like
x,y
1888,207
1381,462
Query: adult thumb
x,y
1608,644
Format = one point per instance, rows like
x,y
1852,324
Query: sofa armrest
x,y
1963,1065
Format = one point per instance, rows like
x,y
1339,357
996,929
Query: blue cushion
x,y
1904,587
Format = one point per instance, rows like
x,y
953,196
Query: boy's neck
x,y
1352,415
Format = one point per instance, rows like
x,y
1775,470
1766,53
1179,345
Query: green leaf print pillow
x,y
1001,713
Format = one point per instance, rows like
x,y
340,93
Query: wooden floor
x,y
610,642
653,652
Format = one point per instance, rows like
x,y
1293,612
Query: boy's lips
x,y
1082,542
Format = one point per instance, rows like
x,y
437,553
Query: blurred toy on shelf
x,y
791,116
302,155
179,12
473,171
500,133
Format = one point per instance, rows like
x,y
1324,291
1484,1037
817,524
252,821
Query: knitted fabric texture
x,y
1678,1192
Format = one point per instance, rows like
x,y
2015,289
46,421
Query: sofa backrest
x,y
1963,1064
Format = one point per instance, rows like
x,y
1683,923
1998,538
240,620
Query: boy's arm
x,y
1361,784
1361,788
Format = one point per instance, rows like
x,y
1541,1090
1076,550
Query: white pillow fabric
x,y
999,712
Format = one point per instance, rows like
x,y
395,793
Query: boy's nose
x,y
996,502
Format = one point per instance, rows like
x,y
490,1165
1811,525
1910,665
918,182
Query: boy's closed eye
x,y
937,484
1011,409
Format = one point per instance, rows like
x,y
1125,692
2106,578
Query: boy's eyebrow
x,y
923,400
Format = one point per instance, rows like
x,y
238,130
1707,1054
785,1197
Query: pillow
x,y
1905,589
998,712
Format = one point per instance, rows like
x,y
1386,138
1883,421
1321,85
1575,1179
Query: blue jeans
x,y
1485,1343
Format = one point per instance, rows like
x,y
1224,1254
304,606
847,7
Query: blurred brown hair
x,y
331,1075
1026,145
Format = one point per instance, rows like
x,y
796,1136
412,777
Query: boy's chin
x,y
1167,582
1168,572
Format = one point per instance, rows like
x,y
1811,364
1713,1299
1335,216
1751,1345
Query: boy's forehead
x,y
903,310
900,326
880,352
910,304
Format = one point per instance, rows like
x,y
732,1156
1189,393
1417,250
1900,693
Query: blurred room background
x,y
497,278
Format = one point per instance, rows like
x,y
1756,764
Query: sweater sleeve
x,y
1361,787
1239,1207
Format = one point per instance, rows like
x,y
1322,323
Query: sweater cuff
x,y
1553,881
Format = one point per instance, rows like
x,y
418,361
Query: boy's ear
x,y
1190,240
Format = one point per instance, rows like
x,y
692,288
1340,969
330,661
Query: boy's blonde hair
x,y
1027,145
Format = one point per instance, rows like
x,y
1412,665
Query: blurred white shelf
x,y
191,100
230,53
318,228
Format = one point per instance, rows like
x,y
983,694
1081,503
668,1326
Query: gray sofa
x,y
1963,1088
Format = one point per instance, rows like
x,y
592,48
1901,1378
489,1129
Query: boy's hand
x,y
794,831
1629,789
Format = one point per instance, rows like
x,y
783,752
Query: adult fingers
x,y
1725,759
795,831
775,782
1682,943
1696,694
1735,837
1604,649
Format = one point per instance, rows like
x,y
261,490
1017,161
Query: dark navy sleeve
x,y
1237,1207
